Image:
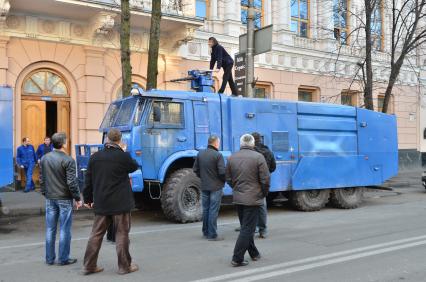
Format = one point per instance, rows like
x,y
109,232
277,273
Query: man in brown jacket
x,y
248,175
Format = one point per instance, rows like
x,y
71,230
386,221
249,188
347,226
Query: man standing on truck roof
x,y
26,159
248,175
210,167
222,60
107,189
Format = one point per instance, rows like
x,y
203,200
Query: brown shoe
x,y
88,272
132,268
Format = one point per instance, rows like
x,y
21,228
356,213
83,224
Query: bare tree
x,y
126,67
408,34
154,45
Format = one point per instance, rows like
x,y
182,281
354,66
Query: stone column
x,y
213,10
281,21
232,17
4,60
326,24
94,105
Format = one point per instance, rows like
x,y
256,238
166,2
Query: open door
x,y
33,126
63,121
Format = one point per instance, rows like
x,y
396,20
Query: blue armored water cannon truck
x,y
325,153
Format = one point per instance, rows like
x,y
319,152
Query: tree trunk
x,y
395,69
368,89
126,67
154,45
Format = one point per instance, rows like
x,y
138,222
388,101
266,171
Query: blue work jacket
x,y
26,156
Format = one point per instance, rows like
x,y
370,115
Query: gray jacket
x,y
58,179
210,167
248,175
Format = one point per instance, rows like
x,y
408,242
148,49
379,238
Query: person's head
x,y
59,140
47,140
247,140
214,141
257,138
114,136
25,141
212,42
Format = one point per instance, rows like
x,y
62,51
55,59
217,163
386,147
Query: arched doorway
x,y
45,106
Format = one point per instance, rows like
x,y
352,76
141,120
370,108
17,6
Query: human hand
x,y
78,204
89,205
216,70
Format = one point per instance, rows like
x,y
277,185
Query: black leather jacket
x,y
58,179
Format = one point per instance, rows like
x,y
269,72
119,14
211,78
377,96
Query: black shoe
x,y
50,263
68,262
238,229
238,264
256,258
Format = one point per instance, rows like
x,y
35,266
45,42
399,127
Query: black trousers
x,y
227,78
248,216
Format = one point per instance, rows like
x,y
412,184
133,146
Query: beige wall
x,y
93,76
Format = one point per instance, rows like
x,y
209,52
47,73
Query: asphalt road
x,y
384,240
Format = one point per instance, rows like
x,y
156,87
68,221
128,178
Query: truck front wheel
x,y
346,198
181,196
309,200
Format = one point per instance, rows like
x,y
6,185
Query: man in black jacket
x,y
247,174
270,161
107,189
210,167
222,60
59,185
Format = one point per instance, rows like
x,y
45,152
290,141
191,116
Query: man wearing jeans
x,y
248,175
270,161
60,187
210,167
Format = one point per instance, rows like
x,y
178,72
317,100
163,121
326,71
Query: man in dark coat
x,y
248,175
270,161
210,167
221,58
107,189
26,159
44,148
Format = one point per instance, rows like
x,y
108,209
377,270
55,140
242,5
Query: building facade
x,y
62,59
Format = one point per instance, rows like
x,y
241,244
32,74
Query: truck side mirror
x,y
156,114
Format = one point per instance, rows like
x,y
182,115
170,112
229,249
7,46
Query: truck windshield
x,y
120,113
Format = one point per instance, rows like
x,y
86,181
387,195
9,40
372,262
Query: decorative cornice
x,y
103,23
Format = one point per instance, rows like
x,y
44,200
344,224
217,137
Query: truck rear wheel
x,y
346,198
181,196
309,200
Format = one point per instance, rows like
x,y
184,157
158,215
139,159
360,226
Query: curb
x,y
28,212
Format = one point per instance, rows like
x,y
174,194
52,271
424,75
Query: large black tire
x,y
181,196
347,198
309,200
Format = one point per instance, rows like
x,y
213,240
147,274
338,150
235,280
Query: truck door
x,y
168,130
201,124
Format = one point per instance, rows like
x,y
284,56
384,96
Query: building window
x,y
308,94
262,91
381,100
349,98
377,26
201,8
258,12
300,17
340,14
45,83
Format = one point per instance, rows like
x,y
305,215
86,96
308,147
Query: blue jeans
x,y
211,204
261,223
62,210
29,183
